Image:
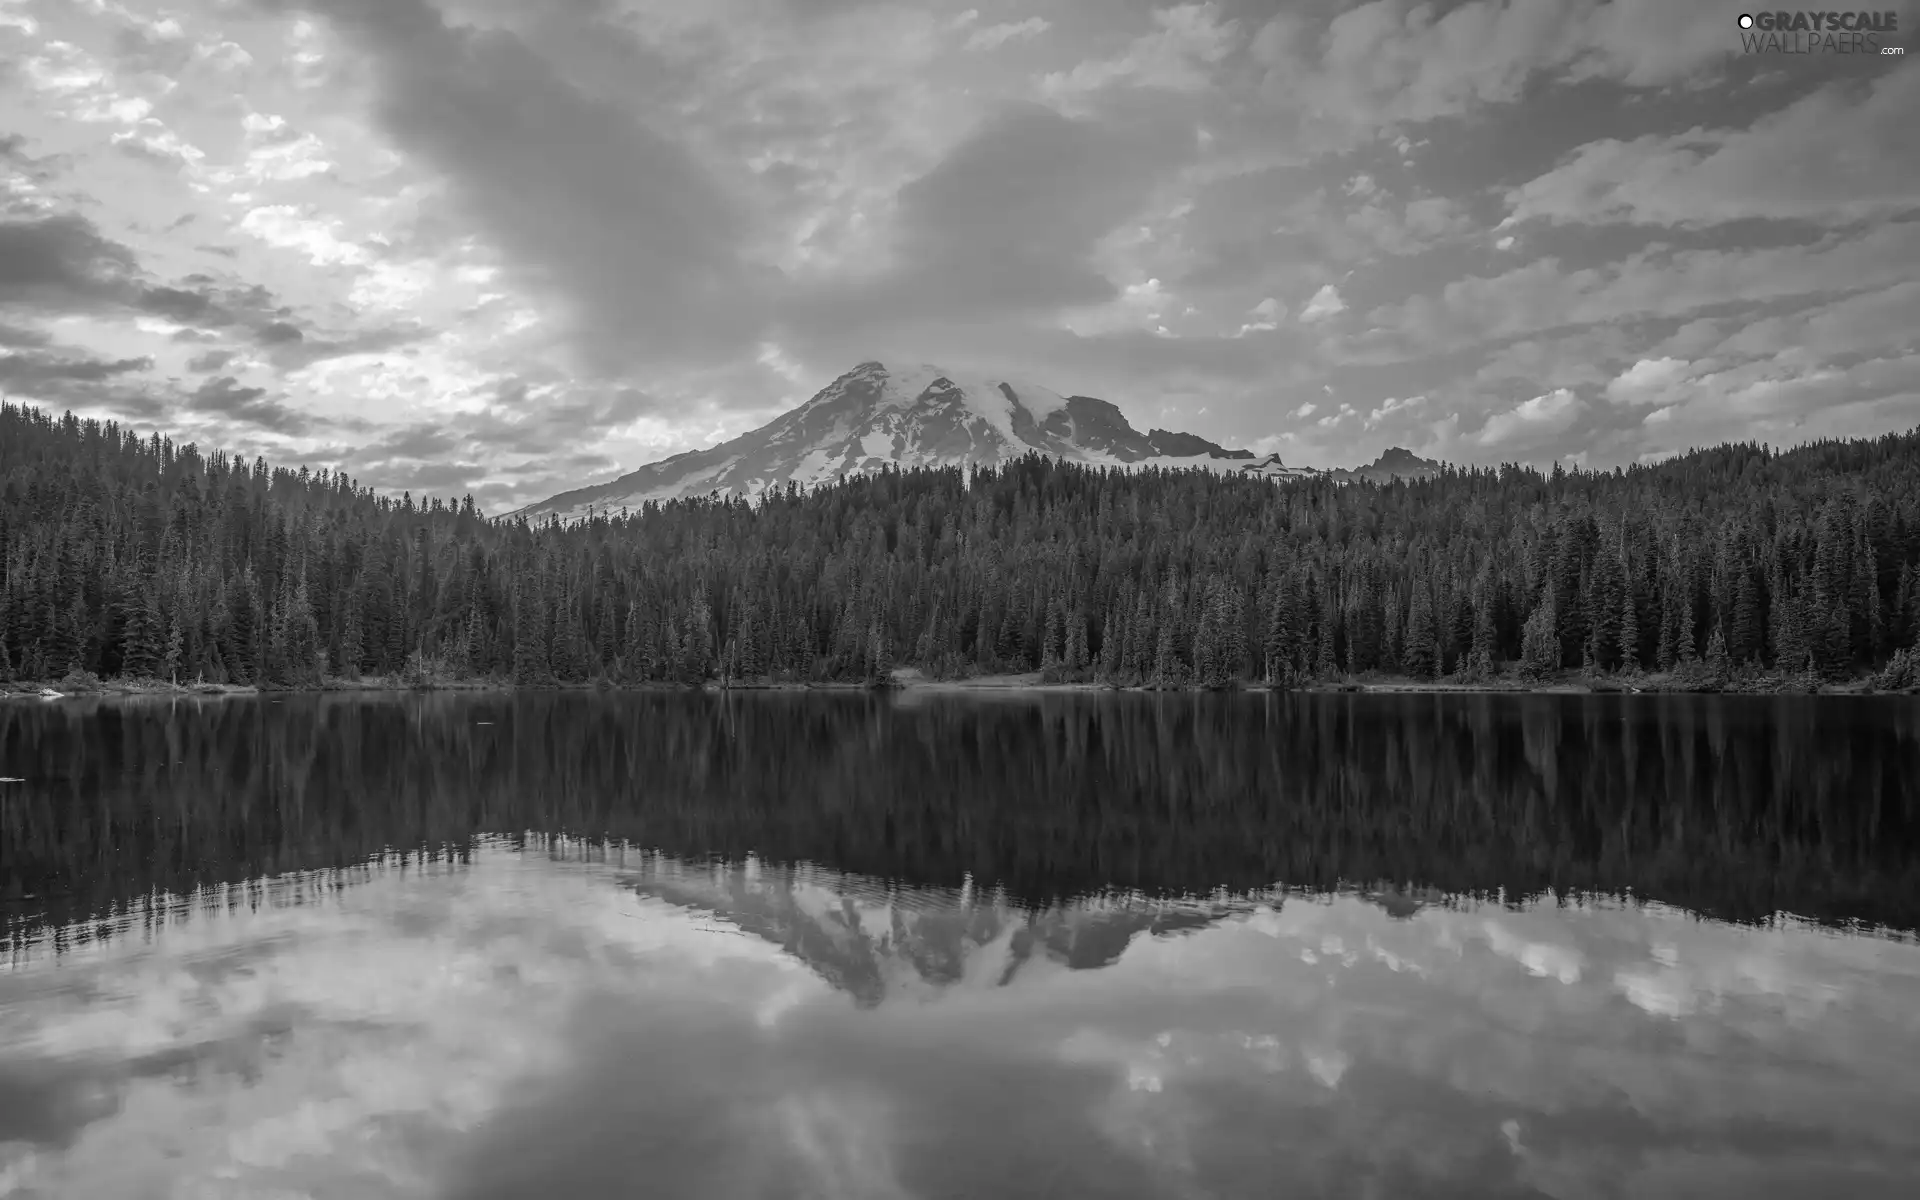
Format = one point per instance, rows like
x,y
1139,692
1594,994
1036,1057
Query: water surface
x,y
853,946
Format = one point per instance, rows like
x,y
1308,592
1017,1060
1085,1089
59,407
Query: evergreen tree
x,y
1540,645
1421,657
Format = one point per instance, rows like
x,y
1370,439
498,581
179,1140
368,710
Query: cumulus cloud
x,y
1324,303
1528,422
1263,317
1648,381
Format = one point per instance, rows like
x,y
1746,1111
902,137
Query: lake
x,y
923,945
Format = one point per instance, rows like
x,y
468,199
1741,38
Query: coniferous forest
x,y
124,557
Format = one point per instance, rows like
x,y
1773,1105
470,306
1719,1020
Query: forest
x,y
1738,566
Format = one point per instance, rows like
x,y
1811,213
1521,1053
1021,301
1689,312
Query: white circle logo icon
x,y
1746,22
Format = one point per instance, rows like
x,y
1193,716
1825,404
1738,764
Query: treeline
x,y
132,557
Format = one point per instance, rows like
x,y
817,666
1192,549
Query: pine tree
x,y
1540,641
176,645
1683,648
1277,648
1717,655
1421,658
1748,635
305,656
351,652
141,647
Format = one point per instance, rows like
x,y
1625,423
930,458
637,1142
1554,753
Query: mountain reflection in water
x,y
849,947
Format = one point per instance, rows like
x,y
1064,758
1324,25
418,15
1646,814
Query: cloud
x,y
212,360
1648,381
1853,161
1264,317
295,350
1178,56
991,37
1530,421
60,262
224,397
26,372
1005,226
590,204
15,336
1391,406
1777,397
68,377
1391,61
1325,303
1655,282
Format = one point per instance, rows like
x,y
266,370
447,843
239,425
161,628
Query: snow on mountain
x,y
927,416
920,416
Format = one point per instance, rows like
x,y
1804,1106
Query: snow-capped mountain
x,y
924,416
927,416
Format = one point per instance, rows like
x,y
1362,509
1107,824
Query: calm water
x,y
1063,946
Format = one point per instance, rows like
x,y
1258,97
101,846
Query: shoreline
x,y
913,681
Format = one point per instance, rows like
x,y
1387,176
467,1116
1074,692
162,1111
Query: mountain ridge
x,y
929,416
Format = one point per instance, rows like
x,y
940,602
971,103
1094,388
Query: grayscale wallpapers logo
x,y
1820,33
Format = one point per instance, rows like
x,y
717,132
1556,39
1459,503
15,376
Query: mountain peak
x,y
927,415
1397,462
918,415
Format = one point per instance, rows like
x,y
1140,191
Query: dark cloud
x,y
212,360
66,377
61,262
13,149
206,305
25,372
223,396
301,350
421,441
16,337
1006,226
179,304
587,202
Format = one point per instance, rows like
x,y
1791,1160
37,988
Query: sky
x,y
508,247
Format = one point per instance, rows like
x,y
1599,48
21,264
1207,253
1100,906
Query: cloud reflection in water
x,y
575,1021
